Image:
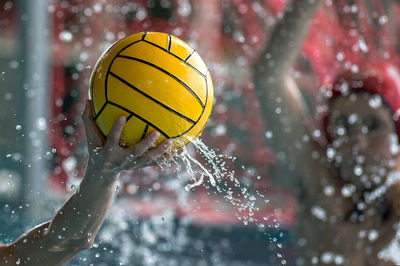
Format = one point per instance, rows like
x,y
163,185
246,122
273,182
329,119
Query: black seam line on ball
x,y
168,73
169,44
186,63
112,62
101,110
201,115
189,55
206,80
151,98
144,35
144,132
126,47
139,117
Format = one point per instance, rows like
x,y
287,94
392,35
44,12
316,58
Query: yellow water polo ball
x,y
158,82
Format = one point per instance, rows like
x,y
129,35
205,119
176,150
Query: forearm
x,y
285,42
82,215
286,121
75,225
279,96
280,99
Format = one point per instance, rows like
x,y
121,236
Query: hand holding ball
x,y
158,82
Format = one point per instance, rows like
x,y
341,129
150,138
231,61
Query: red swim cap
x,y
380,78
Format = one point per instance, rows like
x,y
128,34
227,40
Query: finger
x,y
156,153
150,158
166,158
141,147
171,155
93,136
114,135
168,155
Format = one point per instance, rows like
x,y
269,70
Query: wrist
x,y
95,170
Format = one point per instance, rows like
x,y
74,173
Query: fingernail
x,y
122,119
156,134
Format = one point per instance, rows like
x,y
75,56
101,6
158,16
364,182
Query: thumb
x,y
93,136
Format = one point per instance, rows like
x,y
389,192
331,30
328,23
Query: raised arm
x,y
280,100
76,224
285,42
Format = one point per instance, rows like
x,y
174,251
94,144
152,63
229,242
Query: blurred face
x,y
364,141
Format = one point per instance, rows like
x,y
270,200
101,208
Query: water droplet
x,y
268,134
383,19
352,119
358,170
318,212
348,190
330,153
327,257
339,56
65,36
329,190
373,235
375,101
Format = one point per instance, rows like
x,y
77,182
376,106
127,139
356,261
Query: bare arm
x,y
280,99
76,224
284,44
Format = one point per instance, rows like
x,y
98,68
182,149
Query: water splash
x,y
212,172
188,159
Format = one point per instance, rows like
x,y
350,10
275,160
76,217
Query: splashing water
x,y
223,181
188,159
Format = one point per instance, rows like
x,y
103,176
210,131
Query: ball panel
x,y
159,140
170,64
158,85
168,122
98,94
196,61
196,130
107,117
119,45
158,38
98,77
133,131
180,48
